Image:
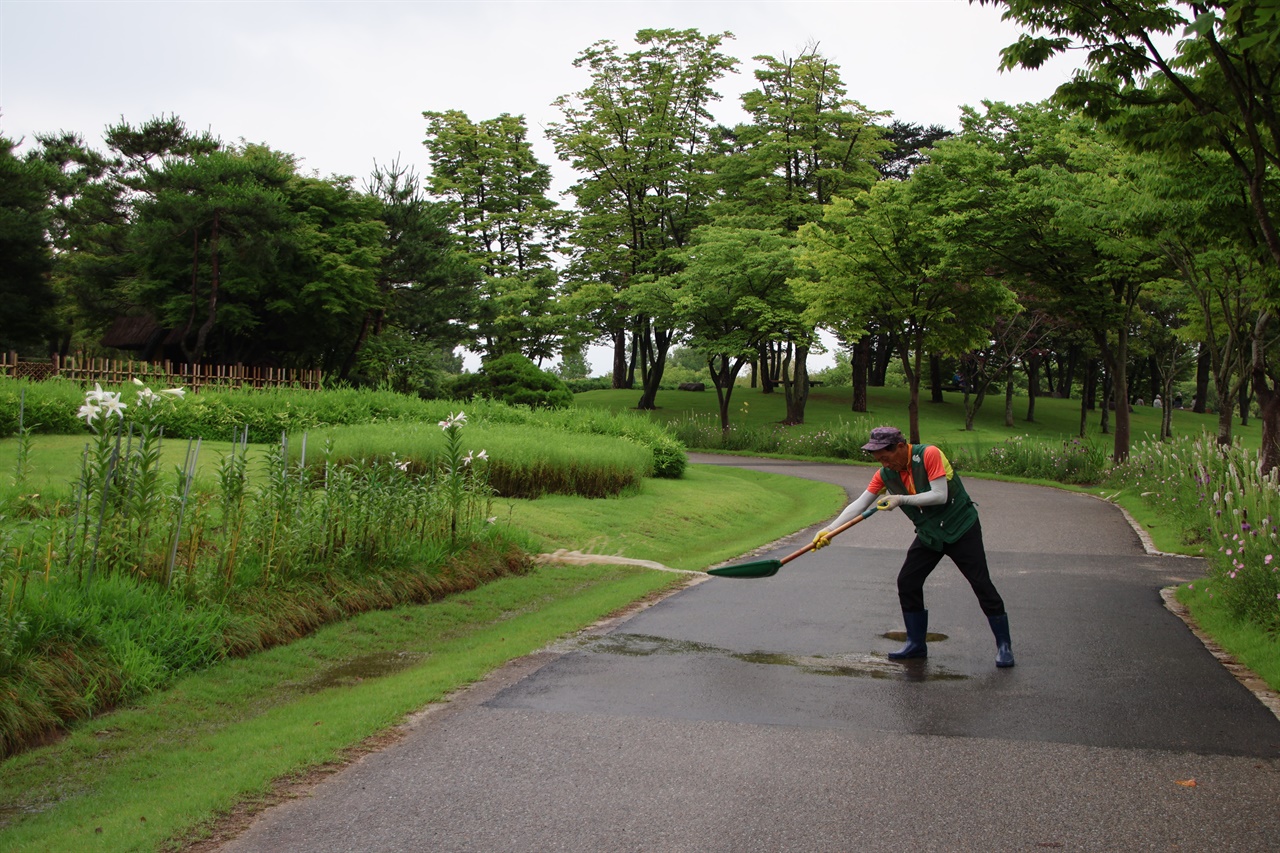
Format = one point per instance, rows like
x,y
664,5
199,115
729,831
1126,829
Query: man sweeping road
x,y
919,479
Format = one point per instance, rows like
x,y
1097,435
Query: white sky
x,y
344,84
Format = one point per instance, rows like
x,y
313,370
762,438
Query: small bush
x,y
515,380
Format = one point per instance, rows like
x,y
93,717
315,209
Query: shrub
x,y
1074,461
1218,493
516,380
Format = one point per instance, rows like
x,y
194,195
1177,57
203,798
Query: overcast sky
x,y
342,84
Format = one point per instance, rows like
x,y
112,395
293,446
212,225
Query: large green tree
x,y
640,135
806,144
881,253
26,296
1216,88
728,295
1041,199
498,193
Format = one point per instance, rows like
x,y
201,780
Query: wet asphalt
x,y
763,715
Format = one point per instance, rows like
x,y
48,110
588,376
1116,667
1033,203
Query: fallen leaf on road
x,y
1186,783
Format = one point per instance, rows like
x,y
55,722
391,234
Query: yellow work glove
x,y
822,539
889,502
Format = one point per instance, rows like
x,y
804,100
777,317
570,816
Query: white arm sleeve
x,y
856,508
936,496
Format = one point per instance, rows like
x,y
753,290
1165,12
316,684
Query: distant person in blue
x,y
918,478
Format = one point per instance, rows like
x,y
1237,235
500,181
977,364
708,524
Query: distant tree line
x,y
1109,243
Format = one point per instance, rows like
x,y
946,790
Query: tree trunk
x,y
619,337
911,365
724,376
795,384
653,363
1203,360
1107,402
768,367
885,346
1033,386
971,411
1008,396
935,377
1268,396
1069,372
860,357
1120,388
1244,398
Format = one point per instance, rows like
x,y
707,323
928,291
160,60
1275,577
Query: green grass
x,y
940,423
163,769
220,737
1253,647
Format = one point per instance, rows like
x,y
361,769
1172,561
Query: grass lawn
x,y
159,774
940,423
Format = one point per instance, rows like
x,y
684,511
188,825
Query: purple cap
x,y
884,437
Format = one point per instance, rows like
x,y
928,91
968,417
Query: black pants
x,y
970,558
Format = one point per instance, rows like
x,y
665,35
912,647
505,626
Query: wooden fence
x,y
193,377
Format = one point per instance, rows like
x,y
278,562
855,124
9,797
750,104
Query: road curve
x,y
745,715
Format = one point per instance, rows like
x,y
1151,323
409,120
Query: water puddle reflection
x,y
358,669
849,666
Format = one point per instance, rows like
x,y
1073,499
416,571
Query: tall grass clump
x,y
522,462
1074,461
1219,495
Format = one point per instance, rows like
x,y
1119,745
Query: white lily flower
x,y
111,406
175,392
137,381
96,395
89,412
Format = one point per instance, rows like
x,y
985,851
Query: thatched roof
x,y
138,333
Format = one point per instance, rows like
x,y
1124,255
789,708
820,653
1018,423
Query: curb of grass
x,y
1247,677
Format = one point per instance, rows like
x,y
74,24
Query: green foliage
x,y
515,380
26,297
50,407
520,461
1072,461
1222,502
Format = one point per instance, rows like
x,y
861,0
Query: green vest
x,y
935,525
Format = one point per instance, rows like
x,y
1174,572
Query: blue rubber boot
x,y
917,622
1004,650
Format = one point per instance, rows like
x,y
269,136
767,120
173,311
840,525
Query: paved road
x,y
762,715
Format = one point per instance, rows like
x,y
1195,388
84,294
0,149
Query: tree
x,y
640,133
910,144
92,199
806,144
497,192
1217,89
26,297
1041,199
881,253
727,295
427,287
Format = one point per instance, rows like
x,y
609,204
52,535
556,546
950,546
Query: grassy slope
x,y
125,781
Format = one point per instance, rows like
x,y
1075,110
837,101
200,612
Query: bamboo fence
x,y
193,377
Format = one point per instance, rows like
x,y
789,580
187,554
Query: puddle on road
x,y
850,666
367,666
